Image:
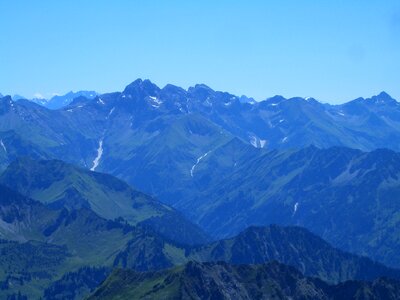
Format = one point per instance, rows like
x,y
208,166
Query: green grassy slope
x,y
59,184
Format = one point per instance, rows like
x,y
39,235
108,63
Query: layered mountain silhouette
x,y
294,246
136,118
65,241
59,101
203,164
223,281
346,196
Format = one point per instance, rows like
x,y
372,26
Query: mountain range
x,y
59,101
62,185
311,187
144,113
65,241
53,241
223,281
153,178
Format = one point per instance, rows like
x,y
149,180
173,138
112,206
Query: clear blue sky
x,y
331,50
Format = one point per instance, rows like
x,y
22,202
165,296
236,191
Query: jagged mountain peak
x,y
18,97
201,91
272,101
382,98
80,100
384,95
170,88
245,99
278,99
6,98
6,103
201,86
141,88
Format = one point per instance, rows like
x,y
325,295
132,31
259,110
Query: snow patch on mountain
x,y
96,161
257,142
197,162
155,102
253,141
110,113
295,208
3,146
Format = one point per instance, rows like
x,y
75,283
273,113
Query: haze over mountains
x,y
150,178
58,101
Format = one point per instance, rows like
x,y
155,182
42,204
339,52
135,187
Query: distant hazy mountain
x,y
17,97
40,101
60,101
223,281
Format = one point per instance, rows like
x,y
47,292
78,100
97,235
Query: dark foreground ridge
x,y
224,281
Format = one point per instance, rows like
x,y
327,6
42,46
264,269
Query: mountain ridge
x,y
88,240
59,184
269,281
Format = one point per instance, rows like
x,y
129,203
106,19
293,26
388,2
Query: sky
x,y
334,51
